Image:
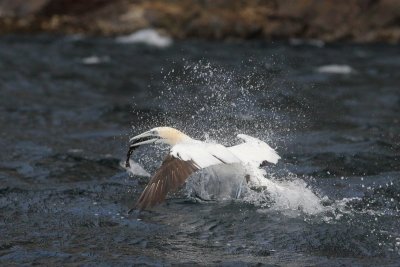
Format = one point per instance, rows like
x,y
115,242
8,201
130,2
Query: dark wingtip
x,y
137,206
134,209
130,210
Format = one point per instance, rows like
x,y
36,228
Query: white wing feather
x,y
203,154
254,151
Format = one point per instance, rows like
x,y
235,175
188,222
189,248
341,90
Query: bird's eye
x,y
154,132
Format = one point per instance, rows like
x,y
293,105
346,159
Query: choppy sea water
x,y
69,105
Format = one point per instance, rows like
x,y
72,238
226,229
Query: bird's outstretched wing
x,y
169,177
183,160
254,151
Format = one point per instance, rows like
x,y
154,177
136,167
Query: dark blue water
x,y
65,125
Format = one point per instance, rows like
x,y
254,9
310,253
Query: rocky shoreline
x,y
352,20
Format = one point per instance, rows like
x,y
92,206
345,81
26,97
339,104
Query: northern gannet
x,y
188,155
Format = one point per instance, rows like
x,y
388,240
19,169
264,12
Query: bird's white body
x,y
226,171
218,182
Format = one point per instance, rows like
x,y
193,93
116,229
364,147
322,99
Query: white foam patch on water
x,y
149,37
335,69
93,60
227,182
134,169
290,195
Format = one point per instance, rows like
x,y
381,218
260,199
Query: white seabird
x,y
188,155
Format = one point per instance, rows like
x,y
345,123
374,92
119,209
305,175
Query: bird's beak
x,y
138,140
144,138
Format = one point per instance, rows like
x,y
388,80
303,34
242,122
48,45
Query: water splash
x,y
228,105
228,183
206,99
253,103
134,169
291,193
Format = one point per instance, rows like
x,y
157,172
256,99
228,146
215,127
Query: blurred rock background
x,y
329,20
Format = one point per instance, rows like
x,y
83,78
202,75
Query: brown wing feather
x,y
172,173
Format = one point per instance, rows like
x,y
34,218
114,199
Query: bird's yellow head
x,y
167,135
170,135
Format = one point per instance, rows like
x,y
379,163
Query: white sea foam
x,y
147,36
224,182
335,69
291,193
135,169
93,60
